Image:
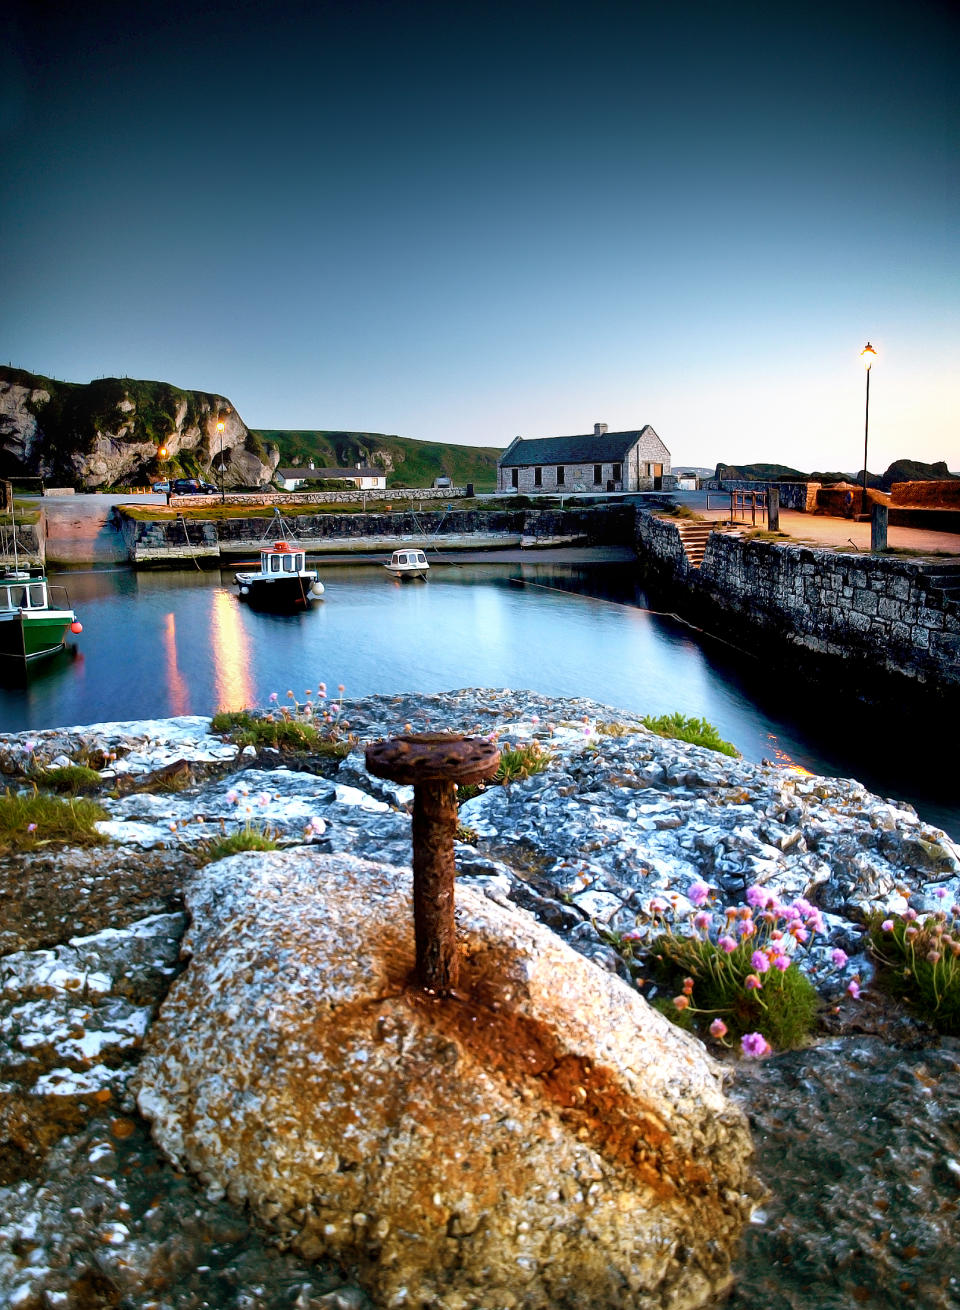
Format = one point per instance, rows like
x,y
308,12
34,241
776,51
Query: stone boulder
x,y
541,1139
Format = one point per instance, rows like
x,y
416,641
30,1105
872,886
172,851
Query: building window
x,y
560,473
515,478
597,474
538,477
618,472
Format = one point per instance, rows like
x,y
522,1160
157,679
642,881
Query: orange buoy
x,y
76,626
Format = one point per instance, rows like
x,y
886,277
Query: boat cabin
x,y
279,559
20,591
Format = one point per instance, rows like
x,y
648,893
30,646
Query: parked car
x,y
161,487
192,487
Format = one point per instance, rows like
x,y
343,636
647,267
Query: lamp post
x,y
220,426
868,355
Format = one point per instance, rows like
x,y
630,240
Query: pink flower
x,y
31,827
752,982
910,913
341,687
887,925
746,928
839,957
756,896
273,698
657,906
681,1002
534,718
698,893
726,944
911,931
718,1028
232,797
702,920
760,962
853,987
932,956
781,963
754,1045
798,932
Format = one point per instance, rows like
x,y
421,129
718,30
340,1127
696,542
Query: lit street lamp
x,y
220,427
868,355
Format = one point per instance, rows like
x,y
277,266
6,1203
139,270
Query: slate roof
x,y
608,448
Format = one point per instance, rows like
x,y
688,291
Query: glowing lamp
x,y
76,627
868,355
162,453
220,426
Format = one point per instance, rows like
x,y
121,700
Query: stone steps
x,y
694,537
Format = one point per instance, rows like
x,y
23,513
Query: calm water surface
x,y
157,644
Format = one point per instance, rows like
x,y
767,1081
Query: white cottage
x,y
604,461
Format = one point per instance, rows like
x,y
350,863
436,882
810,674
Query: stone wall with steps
x,y
880,616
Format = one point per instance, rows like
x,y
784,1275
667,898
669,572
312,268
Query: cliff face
x,y
110,431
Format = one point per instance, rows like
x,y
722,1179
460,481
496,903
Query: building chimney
x,y
310,465
599,429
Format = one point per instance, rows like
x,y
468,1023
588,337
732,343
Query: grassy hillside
x,y
409,462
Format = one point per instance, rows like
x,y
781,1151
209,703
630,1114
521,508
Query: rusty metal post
x,y
433,762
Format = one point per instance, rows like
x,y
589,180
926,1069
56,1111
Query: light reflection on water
x,y
161,643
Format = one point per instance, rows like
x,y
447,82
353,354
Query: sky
x,y
464,222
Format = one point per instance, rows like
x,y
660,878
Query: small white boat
x,y
408,563
283,581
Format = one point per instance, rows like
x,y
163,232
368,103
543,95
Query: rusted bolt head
x,y
433,757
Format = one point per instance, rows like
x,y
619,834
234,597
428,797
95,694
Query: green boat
x,y
31,628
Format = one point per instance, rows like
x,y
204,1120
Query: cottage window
x,y
560,475
515,478
618,472
597,474
538,477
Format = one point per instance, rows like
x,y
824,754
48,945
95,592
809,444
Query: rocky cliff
x,y
110,432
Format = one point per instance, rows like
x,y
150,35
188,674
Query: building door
x,y
657,470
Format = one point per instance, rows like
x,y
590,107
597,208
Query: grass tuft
x,y
246,729
32,819
246,839
69,778
696,731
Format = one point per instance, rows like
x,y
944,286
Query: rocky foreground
x,y
856,1136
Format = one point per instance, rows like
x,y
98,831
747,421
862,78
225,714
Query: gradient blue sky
x,y
464,222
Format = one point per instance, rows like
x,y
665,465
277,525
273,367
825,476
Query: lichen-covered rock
x,y
541,1139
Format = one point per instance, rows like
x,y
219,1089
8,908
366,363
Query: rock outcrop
x,y
541,1139
109,432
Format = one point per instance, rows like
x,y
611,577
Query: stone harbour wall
x,y
152,541
882,616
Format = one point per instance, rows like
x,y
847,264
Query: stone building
x,y
604,461
368,479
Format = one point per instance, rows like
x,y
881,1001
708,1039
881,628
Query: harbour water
x,y
166,643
